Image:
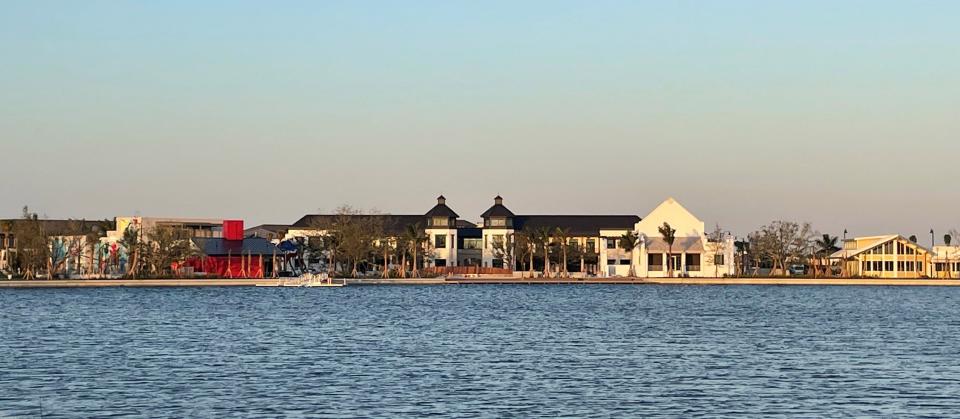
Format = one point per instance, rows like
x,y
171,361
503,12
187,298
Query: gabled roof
x,y
224,247
869,242
579,225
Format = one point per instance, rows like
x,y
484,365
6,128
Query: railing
x,y
467,270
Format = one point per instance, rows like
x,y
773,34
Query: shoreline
x,y
252,282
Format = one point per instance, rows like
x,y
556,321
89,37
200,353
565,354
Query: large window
x,y
655,262
497,222
439,222
472,244
440,241
692,261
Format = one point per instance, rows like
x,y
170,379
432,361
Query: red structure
x,y
233,229
234,256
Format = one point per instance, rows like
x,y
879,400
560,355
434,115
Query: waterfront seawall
x,y
92,283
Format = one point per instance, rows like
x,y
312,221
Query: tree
x,y
526,245
947,238
630,241
718,247
414,236
669,235
33,250
781,241
913,238
131,242
562,236
166,247
542,236
826,245
502,249
385,248
92,239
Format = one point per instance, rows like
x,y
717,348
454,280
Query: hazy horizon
x,y
843,114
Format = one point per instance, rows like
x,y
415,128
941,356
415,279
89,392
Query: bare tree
x,y
718,248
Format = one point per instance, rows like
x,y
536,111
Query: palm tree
x,y
526,242
561,236
542,235
131,242
669,235
414,236
629,241
826,246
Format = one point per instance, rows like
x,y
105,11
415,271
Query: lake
x,y
480,351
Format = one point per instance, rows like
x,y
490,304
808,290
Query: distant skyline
x,y
844,114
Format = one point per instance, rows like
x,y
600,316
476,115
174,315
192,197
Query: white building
x,y
692,254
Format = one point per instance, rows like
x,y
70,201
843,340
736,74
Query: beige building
x,y
891,256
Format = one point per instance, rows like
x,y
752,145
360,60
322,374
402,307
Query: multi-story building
x,y
592,242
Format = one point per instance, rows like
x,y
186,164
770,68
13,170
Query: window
x,y
497,222
439,263
498,263
901,266
718,259
655,262
692,261
611,261
472,244
624,261
592,246
439,222
440,241
919,266
611,243
888,266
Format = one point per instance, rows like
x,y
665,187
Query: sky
x,y
845,114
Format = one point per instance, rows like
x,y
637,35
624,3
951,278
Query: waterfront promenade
x,y
179,282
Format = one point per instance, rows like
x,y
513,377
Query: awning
x,y
680,245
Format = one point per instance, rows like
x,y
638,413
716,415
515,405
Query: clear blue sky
x,y
842,113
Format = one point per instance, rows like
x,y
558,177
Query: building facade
x,y
890,256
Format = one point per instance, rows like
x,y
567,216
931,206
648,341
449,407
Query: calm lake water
x,y
480,351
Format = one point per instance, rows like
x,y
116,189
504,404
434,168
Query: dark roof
x,y
62,227
224,247
579,225
274,228
471,233
465,224
392,224
441,210
497,210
